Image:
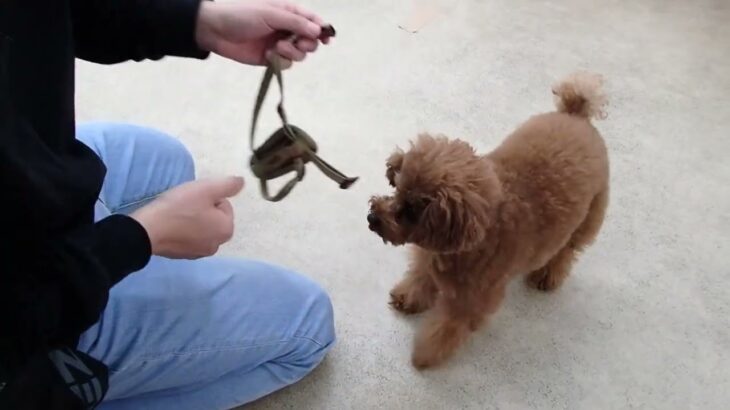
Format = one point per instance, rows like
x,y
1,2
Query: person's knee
x,y
108,137
175,153
316,337
323,309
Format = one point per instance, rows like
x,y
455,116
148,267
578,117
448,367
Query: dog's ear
x,y
454,223
393,165
474,220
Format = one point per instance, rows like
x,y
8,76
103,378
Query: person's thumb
x,y
220,188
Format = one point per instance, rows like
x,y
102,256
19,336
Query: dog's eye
x,y
410,212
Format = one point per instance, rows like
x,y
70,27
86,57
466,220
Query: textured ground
x,y
645,320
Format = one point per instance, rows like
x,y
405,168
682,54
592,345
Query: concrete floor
x,y
645,320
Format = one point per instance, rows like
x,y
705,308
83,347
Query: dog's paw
x,y
422,360
433,350
438,340
414,294
400,301
544,280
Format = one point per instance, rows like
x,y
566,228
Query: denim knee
x,y
168,149
178,153
323,303
318,336
145,141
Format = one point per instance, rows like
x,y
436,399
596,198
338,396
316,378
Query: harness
x,y
289,148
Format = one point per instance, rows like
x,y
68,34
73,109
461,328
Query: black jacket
x,y
56,264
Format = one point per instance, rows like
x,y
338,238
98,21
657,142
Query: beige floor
x,y
644,321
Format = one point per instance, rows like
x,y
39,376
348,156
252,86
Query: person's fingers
x,y
306,45
308,14
297,9
287,50
226,227
225,207
284,63
221,188
210,250
281,19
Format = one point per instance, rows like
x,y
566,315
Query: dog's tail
x,y
581,94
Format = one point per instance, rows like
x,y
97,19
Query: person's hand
x,y
192,220
246,30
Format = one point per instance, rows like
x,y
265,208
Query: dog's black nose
x,y
373,219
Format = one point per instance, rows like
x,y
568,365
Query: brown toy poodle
x,y
476,221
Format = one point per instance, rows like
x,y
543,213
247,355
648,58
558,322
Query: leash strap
x,y
288,143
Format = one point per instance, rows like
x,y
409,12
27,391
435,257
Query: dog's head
x,y
445,196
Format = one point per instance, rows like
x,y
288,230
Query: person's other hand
x,y
191,220
246,30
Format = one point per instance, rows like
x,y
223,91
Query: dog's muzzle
x,y
373,222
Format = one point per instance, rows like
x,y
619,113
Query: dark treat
x,y
327,31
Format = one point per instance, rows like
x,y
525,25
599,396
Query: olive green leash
x,y
289,148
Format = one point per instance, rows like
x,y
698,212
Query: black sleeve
x,y
112,31
54,285
56,265
62,379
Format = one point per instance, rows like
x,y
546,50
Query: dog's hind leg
x,y
554,273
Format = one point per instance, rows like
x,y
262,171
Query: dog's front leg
x,y
417,291
458,312
442,332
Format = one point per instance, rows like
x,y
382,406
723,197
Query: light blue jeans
x,y
206,334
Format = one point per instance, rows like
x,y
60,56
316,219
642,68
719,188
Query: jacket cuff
x,y
124,246
176,28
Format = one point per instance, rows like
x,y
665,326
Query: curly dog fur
x,y
476,221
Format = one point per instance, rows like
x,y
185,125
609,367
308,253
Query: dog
x,y
474,222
